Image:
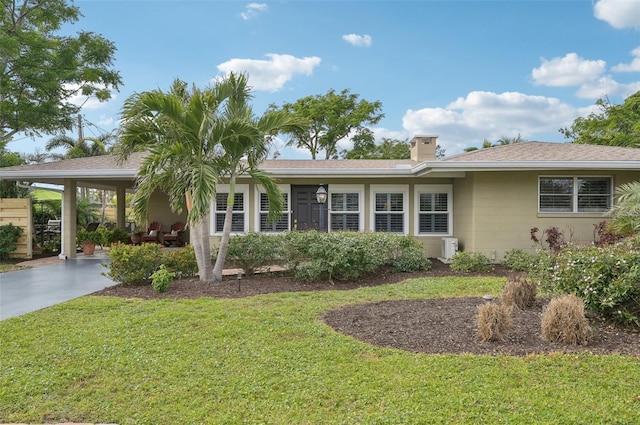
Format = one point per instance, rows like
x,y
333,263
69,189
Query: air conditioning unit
x,y
449,249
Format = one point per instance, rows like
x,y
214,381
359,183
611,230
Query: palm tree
x,y
194,138
626,212
244,141
87,146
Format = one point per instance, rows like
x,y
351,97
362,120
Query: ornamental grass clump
x,y
494,321
519,292
564,321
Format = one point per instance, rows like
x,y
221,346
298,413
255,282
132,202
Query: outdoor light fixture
x,y
321,195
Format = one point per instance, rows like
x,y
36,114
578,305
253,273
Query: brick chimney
x,y
423,148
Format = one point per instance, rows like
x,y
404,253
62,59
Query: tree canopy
x,y
367,148
40,71
504,140
330,118
614,125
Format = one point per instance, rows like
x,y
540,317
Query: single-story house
x,y
484,201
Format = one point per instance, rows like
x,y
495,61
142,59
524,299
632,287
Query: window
x,y
282,225
575,194
434,204
345,207
239,215
389,209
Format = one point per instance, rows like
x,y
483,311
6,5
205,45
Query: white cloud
x,y
358,40
606,86
486,115
106,121
634,66
87,102
252,10
618,13
571,70
272,74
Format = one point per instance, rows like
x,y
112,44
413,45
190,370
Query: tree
x,y
194,138
10,189
615,125
504,140
81,148
389,149
330,118
626,212
40,71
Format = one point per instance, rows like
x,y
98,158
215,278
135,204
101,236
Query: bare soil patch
x,y
440,326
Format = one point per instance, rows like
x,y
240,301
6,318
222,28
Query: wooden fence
x,y
18,213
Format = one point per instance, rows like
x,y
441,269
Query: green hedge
x,y
607,278
347,256
134,265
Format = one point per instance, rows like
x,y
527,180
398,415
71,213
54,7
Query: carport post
x,y
120,206
69,217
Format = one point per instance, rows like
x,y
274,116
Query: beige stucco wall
x,y
495,211
159,211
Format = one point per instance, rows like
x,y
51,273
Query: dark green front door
x,y
306,209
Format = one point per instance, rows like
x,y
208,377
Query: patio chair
x,y
92,227
153,233
175,236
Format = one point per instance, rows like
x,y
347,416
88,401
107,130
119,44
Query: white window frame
x,y
285,188
574,195
224,188
433,188
348,188
389,188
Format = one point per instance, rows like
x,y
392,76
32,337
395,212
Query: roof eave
x,y
373,173
525,166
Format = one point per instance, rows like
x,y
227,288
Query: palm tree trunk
x,y
207,271
226,232
203,252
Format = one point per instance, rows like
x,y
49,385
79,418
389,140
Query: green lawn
x,y
270,359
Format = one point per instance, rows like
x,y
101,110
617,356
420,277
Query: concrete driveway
x,y
28,290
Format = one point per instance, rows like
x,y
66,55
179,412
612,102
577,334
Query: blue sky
x,y
463,70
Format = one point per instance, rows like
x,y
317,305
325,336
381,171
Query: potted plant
x,y
88,241
136,235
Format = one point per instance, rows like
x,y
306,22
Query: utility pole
x,y
84,192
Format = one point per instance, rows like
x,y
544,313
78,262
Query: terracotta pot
x,y
88,248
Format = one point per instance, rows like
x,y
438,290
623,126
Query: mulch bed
x,y
442,326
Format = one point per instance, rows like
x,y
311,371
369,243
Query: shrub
x,y
9,237
494,321
87,236
554,238
342,256
161,278
564,321
255,250
519,292
181,261
51,246
412,259
607,278
518,260
113,236
471,262
133,265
